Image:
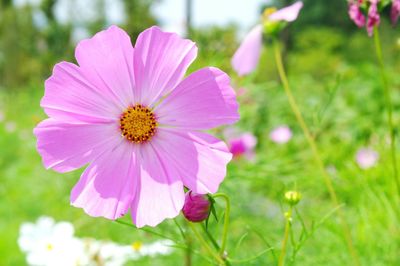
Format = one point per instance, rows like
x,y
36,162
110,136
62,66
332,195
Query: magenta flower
x,y
281,134
366,158
245,59
127,113
395,11
355,14
373,17
243,145
197,207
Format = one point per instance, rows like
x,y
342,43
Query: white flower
x,y
49,244
113,254
162,247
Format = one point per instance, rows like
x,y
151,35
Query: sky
x,y
244,13
170,13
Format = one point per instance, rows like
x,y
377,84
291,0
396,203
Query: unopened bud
x,y
292,197
196,207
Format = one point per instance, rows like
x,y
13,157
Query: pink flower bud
x,y
197,207
373,17
356,15
395,11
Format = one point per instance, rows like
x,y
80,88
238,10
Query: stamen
x,y
138,124
268,12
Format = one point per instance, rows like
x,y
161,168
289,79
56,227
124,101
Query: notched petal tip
x,y
161,60
288,14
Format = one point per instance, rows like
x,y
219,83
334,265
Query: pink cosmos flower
x,y
355,14
281,134
246,58
366,158
373,17
395,11
128,113
243,145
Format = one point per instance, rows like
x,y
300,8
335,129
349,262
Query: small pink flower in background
x,y
281,134
241,144
373,17
197,207
395,11
241,91
10,126
355,14
247,56
129,113
2,116
366,158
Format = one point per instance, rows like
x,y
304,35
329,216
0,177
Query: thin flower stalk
x,y
288,227
389,104
328,182
205,245
226,221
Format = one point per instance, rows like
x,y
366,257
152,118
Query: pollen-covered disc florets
x,y
138,124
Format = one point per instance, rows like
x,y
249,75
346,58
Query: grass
x,y
345,111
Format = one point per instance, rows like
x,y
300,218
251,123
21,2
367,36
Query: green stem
x,y
203,242
288,226
388,101
312,144
226,221
213,241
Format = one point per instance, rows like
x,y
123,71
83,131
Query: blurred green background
x,y
333,71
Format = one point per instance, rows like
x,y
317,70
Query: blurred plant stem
x,y
188,241
205,245
188,251
328,182
214,242
288,226
389,104
226,221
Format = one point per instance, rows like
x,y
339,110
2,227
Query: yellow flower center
x,y
138,124
49,247
136,246
269,11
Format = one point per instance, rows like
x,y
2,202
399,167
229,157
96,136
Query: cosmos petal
x,y
289,13
199,158
203,100
245,59
107,186
161,60
106,60
70,97
66,147
160,192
